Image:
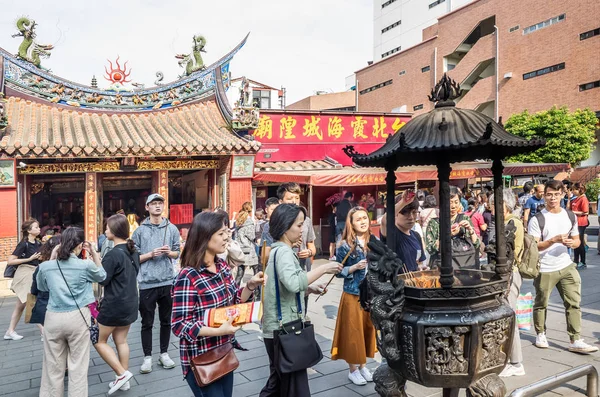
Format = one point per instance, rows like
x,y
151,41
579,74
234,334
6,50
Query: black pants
x,y
149,298
294,384
580,251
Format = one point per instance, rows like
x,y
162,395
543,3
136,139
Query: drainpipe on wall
x,y
434,66
356,93
497,69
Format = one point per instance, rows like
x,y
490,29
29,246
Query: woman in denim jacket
x,y
354,337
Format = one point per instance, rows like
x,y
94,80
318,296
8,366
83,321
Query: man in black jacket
x,y
341,213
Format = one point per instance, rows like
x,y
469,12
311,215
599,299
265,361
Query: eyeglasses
x,y
553,195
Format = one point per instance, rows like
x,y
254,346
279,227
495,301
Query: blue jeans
x,y
220,388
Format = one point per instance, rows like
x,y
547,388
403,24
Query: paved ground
x,y
21,361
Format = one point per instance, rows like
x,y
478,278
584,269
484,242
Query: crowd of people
x,y
137,273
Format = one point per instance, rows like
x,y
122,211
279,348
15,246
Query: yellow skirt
x,y
21,283
354,337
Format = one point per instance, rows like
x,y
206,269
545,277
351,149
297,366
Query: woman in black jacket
x,y
38,314
119,306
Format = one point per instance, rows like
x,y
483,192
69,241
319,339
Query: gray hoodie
x,y
156,272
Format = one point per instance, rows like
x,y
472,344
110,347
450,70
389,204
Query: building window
x,y
261,99
544,24
591,33
375,87
589,86
387,3
540,72
513,29
402,72
392,26
435,3
418,107
425,69
390,52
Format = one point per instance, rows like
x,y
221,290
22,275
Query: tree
x,y
569,135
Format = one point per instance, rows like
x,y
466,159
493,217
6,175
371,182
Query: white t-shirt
x,y
557,256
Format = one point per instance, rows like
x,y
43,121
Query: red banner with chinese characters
x,y
91,206
292,136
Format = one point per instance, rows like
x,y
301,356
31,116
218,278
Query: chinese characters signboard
x,y
91,206
326,128
296,136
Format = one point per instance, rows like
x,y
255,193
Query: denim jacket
x,y
351,280
79,273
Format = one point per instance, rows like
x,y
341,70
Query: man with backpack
x,y
555,230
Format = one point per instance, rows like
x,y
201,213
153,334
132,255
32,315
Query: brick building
x,y
545,54
337,101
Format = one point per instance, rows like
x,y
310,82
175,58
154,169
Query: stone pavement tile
x,y
179,391
12,389
18,377
5,373
337,392
331,367
252,363
327,382
239,379
249,389
416,390
257,373
365,390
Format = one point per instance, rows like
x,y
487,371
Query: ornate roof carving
x,y
24,77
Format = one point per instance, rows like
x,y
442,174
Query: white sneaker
x,y
120,382
13,336
366,374
125,387
166,361
541,341
146,367
357,378
512,370
579,346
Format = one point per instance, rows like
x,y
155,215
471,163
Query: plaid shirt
x,y
194,292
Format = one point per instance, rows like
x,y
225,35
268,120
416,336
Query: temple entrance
x,y
57,202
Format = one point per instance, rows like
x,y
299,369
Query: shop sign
x,y
326,128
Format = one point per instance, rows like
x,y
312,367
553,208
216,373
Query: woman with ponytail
x,y
119,306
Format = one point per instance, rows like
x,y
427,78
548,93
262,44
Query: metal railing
x,y
554,381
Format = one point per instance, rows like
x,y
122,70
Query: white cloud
x,y
303,46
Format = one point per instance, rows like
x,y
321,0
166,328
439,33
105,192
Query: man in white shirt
x,y
555,230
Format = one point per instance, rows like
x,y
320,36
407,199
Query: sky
x,y
304,46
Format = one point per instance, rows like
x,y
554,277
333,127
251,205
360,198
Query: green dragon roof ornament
x,y
193,61
29,50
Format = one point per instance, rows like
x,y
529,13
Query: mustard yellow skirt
x,y
21,283
354,337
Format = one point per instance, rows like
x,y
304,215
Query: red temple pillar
x,y
91,207
160,185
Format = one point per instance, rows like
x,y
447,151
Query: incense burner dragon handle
x,y
386,302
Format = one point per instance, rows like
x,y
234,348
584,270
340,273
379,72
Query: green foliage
x,y
569,135
592,189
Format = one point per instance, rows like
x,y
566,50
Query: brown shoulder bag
x,y
214,364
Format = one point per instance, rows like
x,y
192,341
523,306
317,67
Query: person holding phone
x,y
26,257
409,243
157,241
354,336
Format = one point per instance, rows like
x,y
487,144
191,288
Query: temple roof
x,y
43,130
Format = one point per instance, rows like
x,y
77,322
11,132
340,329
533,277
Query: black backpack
x,y
542,221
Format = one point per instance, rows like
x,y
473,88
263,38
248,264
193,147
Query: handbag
x,y
93,327
9,271
29,305
295,346
215,363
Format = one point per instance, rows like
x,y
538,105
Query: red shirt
x,y
477,220
581,204
193,292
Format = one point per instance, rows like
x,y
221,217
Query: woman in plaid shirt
x,y
205,282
